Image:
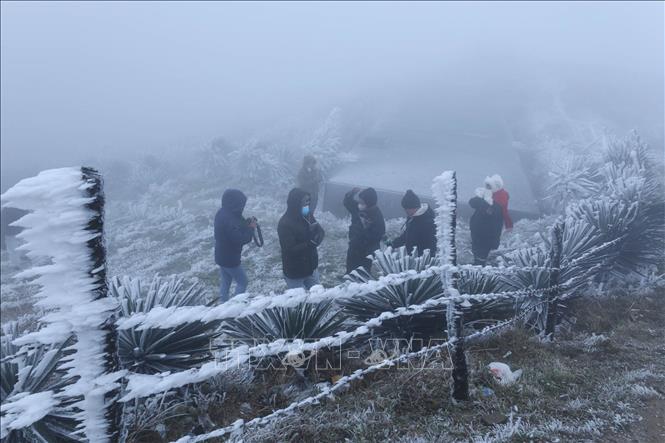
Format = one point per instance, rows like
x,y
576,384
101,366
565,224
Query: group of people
x,y
300,234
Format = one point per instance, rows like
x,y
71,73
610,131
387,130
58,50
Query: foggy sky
x,y
136,77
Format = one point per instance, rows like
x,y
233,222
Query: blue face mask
x,y
305,211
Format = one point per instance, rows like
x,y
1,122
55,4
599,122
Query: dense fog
x,y
81,80
332,221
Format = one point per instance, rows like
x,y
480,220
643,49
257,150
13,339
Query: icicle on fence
x,y
244,305
65,225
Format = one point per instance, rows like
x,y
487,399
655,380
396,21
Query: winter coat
x,y
309,179
231,229
486,224
299,238
365,232
501,197
419,231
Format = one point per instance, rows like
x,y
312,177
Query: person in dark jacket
x,y
499,194
299,237
309,179
232,232
366,229
486,224
419,231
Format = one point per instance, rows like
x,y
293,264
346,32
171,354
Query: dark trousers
x,y
480,256
355,260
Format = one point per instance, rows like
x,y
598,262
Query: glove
x,y
316,234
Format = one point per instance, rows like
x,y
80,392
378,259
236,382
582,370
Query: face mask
x,y
362,206
305,211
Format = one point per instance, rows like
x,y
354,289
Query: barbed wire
x,y
242,306
240,424
141,385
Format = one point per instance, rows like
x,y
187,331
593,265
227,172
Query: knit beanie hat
x,y
368,196
410,200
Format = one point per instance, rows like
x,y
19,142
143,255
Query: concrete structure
x,y
392,170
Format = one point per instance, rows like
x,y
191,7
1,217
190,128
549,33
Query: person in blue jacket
x,y
232,232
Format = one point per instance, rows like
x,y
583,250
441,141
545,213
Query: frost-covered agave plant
x,y
36,373
572,181
481,313
304,321
151,351
633,232
536,276
428,323
630,173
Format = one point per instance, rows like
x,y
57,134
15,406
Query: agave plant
x,y
304,321
481,313
630,151
632,231
151,351
361,308
34,372
572,181
536,275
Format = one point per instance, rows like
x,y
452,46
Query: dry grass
x,y
590,381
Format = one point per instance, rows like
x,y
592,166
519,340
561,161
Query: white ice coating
x,y
55,228
249,304
140,385
238,426
25,409
443,191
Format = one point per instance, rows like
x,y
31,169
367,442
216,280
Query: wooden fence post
x,y
555,264
97,249
460,369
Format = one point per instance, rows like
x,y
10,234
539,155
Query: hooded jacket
x,y
485,223
366,229
299,238
231,229
419,231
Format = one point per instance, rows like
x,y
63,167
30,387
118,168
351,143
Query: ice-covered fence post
x,y
555,264
65,226
97,247
444,189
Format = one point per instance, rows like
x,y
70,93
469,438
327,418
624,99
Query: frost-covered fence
x,y
444,189
240,425
248,304
64,226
